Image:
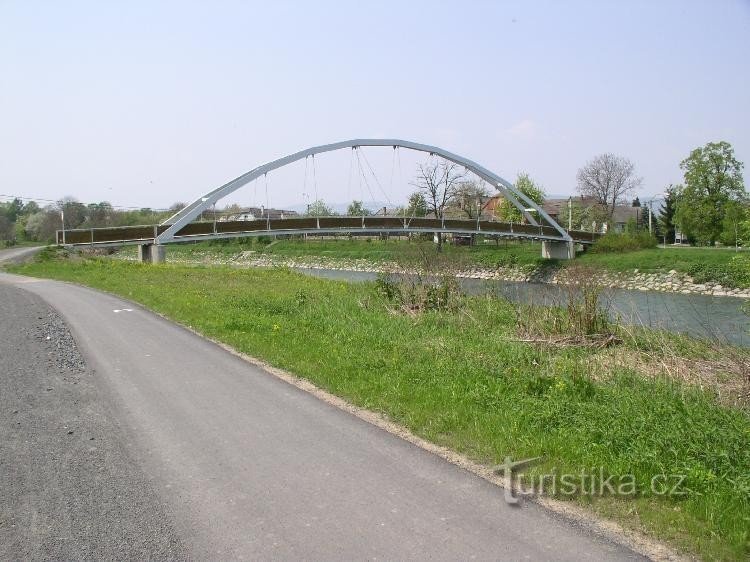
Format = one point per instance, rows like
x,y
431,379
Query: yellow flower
x,y
276,327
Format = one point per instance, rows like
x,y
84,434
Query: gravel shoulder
x,y
68,487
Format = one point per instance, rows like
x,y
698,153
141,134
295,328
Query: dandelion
x,y
276,327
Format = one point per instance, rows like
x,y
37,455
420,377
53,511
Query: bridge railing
x,y
197,230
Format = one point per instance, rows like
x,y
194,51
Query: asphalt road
x,y
245,466
17,255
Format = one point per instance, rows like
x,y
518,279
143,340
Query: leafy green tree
x,y
667,214
586,217
42,225
357,209
713,179
508,212
12,209
75,212
318,208
736,215
100,214
7,230
417,206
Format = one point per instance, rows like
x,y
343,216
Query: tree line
x,y
29,222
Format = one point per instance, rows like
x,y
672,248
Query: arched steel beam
x,y
517,198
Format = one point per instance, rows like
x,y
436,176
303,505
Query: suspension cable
x,y
377,181
349,179
315,178
304,180
364,177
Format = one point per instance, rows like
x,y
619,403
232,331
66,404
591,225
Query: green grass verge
x,y
456,380
659,259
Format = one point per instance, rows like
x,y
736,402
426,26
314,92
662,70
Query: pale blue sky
x,y
146,103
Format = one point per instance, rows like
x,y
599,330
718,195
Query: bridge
x,y
182,226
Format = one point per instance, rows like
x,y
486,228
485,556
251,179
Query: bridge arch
x,y
507,189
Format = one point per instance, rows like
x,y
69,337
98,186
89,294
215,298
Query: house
x,y
257,213
558,209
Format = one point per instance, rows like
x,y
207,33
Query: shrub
x,y
625,242
735,273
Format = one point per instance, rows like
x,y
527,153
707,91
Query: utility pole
x,y
650,212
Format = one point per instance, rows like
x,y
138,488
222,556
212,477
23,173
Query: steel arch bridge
x,y
558,242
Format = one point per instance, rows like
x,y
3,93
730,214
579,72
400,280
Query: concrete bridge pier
x,y
554,250
151,253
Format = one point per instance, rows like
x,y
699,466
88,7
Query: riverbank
x,y
537,272
462,377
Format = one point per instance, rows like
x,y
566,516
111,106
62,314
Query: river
x,y
717,318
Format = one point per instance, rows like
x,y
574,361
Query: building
x,y
256,213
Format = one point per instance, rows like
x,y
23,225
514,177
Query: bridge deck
x,y
311,225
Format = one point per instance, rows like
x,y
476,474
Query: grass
x,y
658,260
490,255
373,250
458,379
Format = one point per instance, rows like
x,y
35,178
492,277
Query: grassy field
x,y
660,259
459,379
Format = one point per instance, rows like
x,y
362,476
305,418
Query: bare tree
x,y
609,179
469,197
439,182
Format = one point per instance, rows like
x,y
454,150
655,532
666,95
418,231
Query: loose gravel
x,y
68,487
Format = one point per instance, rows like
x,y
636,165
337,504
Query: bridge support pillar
x,y
553,250
151,253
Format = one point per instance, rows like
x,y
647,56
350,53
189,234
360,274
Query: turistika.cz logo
x,y
587,482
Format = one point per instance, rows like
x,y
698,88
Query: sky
x,y
147,103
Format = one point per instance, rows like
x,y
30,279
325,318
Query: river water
x,y
718,318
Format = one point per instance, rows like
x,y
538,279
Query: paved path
x,y
17,255
251,467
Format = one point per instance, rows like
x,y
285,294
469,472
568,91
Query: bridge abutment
x,y
152,253
553,250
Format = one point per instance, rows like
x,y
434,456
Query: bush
x,y
735,273
414,293
626,242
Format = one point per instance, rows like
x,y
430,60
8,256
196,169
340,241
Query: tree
x,y
609,179
7,232
42,226
713,179
735,216
439,182
666,215
469,197
356,209
176,207
587,217
12,209
74,211
318,208
417,206
508,212
99,214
